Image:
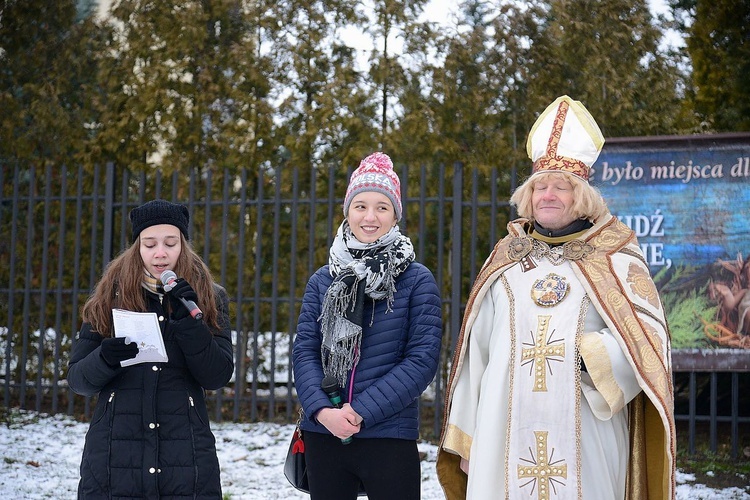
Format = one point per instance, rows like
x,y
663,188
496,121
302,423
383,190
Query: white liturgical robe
x,y
530,421
539,343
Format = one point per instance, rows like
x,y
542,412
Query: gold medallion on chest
x,y
550,290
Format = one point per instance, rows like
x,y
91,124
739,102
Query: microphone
x,y
331,387
169,279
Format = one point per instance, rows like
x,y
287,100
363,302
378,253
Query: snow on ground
x,y
41,453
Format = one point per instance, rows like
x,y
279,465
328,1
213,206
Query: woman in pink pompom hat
x,y
369,333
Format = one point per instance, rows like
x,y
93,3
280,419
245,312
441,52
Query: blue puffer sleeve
x,y
406,380
306,360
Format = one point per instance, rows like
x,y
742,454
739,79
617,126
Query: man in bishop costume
x,y
560,386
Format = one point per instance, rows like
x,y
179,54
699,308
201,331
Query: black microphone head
x,y
167,276
329,384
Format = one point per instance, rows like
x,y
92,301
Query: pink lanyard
x,y
351,377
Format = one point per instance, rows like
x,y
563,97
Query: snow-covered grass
x,y
41,453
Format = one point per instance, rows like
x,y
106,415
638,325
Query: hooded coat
x,y
149,435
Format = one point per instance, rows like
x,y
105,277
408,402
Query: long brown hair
x,y
120,287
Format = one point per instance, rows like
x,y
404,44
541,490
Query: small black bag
x,y
295,468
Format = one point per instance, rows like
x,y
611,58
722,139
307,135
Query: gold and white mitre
x,y
565,138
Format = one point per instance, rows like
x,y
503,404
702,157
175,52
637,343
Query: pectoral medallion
x,y
550,290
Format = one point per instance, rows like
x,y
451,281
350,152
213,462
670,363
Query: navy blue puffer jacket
x,y
149,435
398,355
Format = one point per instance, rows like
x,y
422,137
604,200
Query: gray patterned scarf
x,y
359,270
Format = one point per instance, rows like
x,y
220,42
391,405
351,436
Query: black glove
x,y
114,350
181,290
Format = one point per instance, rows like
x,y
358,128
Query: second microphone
x,y
331,387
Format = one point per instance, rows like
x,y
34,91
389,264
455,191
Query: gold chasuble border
x,y
511,380
641,341
583,310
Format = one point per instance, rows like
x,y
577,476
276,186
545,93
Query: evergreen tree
x,y
185,85
392,19
478,94
47,68
325,112
718,43
606,54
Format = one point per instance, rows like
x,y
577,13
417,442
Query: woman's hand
x,y
338,422
114,350
352,416
181,290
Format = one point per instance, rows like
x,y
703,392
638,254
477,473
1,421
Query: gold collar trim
x,y
521,246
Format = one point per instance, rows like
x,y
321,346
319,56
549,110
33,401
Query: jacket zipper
x,y
191,411
110,407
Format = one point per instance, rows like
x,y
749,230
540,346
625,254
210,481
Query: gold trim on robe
x,y
616,279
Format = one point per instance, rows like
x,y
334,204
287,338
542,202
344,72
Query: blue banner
x,y
688,201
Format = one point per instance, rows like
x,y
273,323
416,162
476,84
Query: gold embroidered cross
x,y
540,353
542,472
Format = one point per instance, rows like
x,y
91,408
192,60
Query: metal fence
x,y
262,233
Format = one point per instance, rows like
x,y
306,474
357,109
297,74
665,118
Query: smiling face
x,y
552,202
160,247
370,216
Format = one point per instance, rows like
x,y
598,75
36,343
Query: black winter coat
x,y
149,435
